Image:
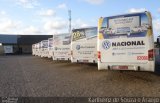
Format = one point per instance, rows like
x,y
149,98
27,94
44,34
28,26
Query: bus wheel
x,y
139,68
109,67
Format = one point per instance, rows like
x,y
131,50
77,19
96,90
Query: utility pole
x,y
69,14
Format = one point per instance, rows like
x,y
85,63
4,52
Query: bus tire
x,y
109,68
139,68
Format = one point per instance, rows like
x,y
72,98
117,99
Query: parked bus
x,y
125,42
50,47
61,46
44,48
33,49
84,45
38,50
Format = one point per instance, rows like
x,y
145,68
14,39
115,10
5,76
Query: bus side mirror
x,y
158,40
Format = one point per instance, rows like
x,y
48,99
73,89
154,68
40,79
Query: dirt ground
x,y
30,76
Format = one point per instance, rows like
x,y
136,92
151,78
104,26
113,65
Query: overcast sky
x,y
51,16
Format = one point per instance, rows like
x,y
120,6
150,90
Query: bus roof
x,y
83,28
61,34
133,13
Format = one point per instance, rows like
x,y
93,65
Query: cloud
x,y
27,3
60,25
2,13
55,25
156,25
62,6
78,23
47,13
31,30
133,10
95,2
8,25
158,10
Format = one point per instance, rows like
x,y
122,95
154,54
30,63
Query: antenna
x,y
69,14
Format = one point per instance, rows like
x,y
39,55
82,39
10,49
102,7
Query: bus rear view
x,y
84,45
61,46
125,42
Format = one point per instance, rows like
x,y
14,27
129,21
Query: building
x,y
22,44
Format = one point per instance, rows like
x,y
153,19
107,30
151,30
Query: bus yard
x,y
32,76
119,58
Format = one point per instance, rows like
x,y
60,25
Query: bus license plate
x,y
86,61
120,67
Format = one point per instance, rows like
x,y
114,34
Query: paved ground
x,y
41,77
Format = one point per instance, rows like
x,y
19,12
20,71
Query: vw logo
x,y
106,44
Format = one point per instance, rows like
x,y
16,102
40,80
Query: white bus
x,y
125,42
84,45
44,48
61,46
38,49
50,47
34,52
34,49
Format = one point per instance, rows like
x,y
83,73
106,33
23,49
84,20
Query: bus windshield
x,y
45,44
131,25
50,40
83,33
62,39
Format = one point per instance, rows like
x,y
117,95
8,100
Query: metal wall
x,y
22,44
